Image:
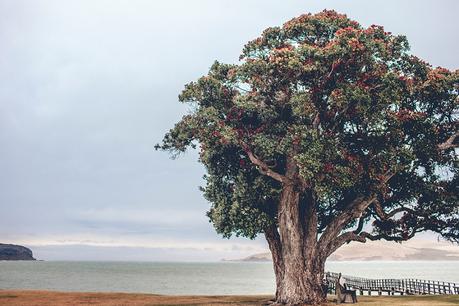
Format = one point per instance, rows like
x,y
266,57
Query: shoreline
x,y
45,297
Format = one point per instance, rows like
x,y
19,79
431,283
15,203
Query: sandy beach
x,y
35,298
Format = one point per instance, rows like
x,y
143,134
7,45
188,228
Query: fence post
x,y
410,285
391,286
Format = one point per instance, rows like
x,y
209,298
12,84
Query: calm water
x,y
192,278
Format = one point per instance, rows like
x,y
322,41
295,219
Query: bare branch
x,y
242,89
263,167
385,216
347,237
364,236
360,225
342,239
371,237
333,68
353,210
449,143
316,122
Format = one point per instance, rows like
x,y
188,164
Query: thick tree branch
x,y
449,143
342,239
353,210
274,242
358,235
275,246
364,236
360,225
263,167
347,237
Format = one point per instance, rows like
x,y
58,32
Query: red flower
x,y
329,167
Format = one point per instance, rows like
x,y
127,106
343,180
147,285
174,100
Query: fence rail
x,y
393,286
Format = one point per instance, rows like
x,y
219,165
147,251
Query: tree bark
x,y
272,236
299,268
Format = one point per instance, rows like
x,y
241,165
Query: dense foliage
x,y
351,106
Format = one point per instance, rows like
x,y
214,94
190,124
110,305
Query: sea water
x,y
192,278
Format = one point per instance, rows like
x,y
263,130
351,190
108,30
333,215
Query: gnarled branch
x,y
353,210
385,216
342,239
364,236
380,236
360,225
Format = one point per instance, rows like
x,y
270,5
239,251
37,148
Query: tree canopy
x,y
358,114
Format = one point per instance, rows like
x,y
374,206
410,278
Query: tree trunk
x,y
272,236
302,286
298,266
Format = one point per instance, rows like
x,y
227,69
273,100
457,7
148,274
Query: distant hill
x,y
15,252
255,257
385,251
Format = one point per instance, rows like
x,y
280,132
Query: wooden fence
x,y
392,286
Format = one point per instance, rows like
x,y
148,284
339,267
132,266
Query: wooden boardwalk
x,y
393,286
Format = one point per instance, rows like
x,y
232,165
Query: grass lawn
x,y
32,297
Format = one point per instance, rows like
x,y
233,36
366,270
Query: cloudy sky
x,y
88,87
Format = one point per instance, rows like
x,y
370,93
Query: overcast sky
x,y
88,87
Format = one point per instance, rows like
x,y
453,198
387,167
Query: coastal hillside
x,y
15,252
385,251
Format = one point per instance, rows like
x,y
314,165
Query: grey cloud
x,y
88,87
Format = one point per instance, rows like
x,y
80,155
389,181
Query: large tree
x,y
326,132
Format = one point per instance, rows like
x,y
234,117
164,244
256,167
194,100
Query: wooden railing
x,y
393,286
